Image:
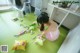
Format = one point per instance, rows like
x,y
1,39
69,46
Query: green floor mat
x,y
9,28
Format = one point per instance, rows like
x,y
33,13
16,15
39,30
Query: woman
x,y
48,27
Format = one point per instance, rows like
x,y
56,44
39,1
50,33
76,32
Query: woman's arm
x,y
43,33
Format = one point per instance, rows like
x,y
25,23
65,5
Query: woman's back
x,y
52,31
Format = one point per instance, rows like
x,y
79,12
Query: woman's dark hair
x,y
41,19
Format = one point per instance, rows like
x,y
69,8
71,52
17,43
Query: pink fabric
x,y
52,35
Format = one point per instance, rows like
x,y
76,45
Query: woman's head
x,y
42,19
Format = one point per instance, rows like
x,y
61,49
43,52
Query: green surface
x,y
9,28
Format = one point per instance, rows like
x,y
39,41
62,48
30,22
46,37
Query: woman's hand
x,y
40,37
43,33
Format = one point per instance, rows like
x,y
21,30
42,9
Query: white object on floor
x,y
24,6
5,8
64,16
72,42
